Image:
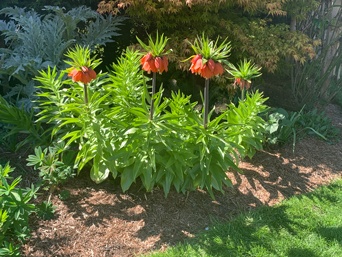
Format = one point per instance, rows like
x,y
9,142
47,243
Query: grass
x,y
306,225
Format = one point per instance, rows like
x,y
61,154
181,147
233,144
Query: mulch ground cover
x,y
101,220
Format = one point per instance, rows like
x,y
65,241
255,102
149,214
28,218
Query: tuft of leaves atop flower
x,y
245,71
157,47
210,49
80,57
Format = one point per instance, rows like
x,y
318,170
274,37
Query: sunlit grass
x,y
306,225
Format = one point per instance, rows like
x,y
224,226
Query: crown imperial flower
x,y
81,65
154,64
244,73
155,60
208,57
85,75
207,69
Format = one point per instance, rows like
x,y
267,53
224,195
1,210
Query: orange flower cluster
x,y
154,64
85,75
243,84
206,70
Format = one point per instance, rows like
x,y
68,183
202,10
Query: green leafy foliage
x,y
28,49
284,127
115,135
91,126
45,210
254,27
245,70
15,208
48,161
281,126
318,124
64,195
20,122
247,128
155,47
211,49
52,171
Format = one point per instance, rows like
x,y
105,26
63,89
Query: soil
x,y
101,220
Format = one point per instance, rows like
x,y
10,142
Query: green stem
x,y
85,89
154,80
242,94
206,103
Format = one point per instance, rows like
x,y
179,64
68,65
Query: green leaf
x,y
99,171
167,183
127,177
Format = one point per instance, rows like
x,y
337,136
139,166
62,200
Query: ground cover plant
x,y
306,225
15,209
289,127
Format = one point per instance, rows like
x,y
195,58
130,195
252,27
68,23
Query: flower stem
x,y
206,103
154,80
243,94
85,89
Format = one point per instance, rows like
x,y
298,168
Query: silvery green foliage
x,y
33,41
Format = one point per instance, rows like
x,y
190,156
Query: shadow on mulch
x,y
101,220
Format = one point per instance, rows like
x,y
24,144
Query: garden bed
x,y
100,220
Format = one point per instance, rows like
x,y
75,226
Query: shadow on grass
x,y
331,233
246,234
291,229
298,252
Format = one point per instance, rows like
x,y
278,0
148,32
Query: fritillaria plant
x,y
82,67
243,75
207,62
155,60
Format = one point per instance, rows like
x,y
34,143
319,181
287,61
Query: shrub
x,y
52,170
29,49
115,134
256,28
284,127
15,209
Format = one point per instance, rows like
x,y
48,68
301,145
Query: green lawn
x,y
306,225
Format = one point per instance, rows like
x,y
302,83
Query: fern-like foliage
x,y
34,42
101,30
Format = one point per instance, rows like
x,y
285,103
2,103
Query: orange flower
x,y
166,63
237,82
207,70
146,58
218,69
154,64
161,63
149,66
196,64
85,75
211,65
243,84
